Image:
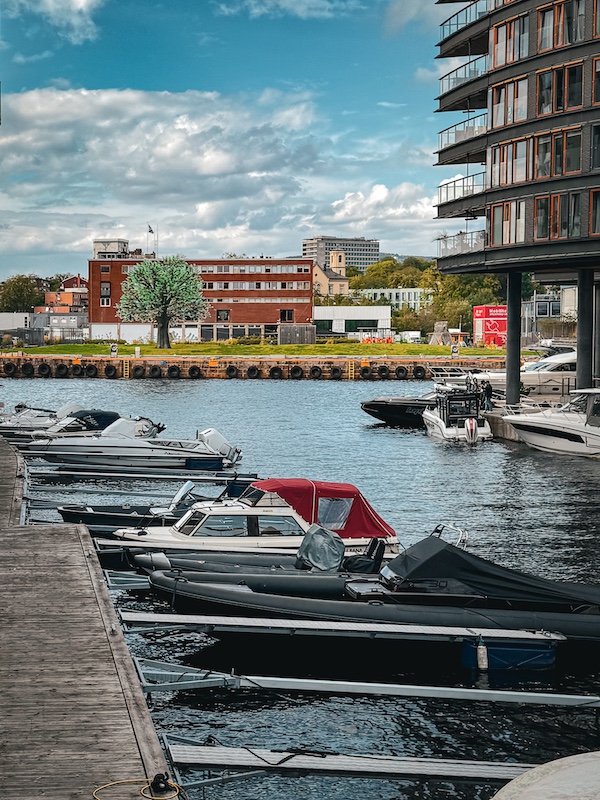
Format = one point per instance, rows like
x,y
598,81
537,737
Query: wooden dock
x,y
73,716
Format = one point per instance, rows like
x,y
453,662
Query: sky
x,y
226,126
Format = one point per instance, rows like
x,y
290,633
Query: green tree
x,y
162,290
55,281
20,293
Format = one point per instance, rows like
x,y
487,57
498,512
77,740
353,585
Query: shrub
x,y
6,341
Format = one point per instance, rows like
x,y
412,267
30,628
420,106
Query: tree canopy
x,y
162,290
20,293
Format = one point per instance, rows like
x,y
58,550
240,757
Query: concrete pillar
x,y
585,319
513,337
596,333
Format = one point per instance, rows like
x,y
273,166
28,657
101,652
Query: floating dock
x,y
73,714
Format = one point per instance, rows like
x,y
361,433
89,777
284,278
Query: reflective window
x,y
333,512
223,525
189,521
278,526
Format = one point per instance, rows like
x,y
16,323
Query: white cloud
x,y
402,12
247,174
19,58
388,104
304,9
72,18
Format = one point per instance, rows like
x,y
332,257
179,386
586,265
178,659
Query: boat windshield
x,y
189,522
333,512
578,404
594,412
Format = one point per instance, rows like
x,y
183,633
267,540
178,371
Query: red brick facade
x,y
254,291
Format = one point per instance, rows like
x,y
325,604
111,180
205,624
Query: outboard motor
x,y
471,430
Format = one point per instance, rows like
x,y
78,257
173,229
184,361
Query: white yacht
x,y
457,415
572,429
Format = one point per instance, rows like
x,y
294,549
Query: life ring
x,y
194,372
276,373
383,371
365,372
316,372
419,372
44,370
231,371
91,371
253,372
336,373
9,369
401,373
77,370
173,371
138,371
296,372
110,371
62,370
155,371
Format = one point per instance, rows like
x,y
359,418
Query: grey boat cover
x,y
435,565
320,549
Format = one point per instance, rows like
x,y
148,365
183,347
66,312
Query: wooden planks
x,y
72,713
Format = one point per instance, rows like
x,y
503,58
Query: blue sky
x,y
229,126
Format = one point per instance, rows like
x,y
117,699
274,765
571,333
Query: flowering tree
x,y
160,291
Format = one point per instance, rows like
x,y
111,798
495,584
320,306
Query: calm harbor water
x,y
524,509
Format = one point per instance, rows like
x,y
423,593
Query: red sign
x,y
489,325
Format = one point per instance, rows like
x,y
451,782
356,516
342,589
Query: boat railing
x,y
527,406
443,374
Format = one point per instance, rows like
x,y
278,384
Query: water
x,y
524,509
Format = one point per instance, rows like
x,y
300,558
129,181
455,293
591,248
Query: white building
x,y
397,298
354,321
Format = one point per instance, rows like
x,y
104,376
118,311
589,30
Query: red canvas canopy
x,y
337,506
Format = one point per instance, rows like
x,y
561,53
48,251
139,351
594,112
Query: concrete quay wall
x,y
242,367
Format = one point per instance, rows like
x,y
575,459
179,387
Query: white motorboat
x,y
457,415
572,429
133,444
25,419
270,516
552,375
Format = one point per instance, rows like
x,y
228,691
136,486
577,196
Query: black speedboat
x,y
401,412
431,583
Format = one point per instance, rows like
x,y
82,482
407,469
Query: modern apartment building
x,y
360,252
528,142
248,296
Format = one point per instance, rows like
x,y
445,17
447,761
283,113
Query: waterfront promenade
x,y
72,713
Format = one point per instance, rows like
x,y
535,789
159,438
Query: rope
x,y
179,790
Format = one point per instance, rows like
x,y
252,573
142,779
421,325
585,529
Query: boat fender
x,y
77,370
276,373
482,655
44,370
316,372
383,371
296,372
154,371
231,371
91,371
110,371
9,369
419,372
27,369
62,370
401,373
194,372
173,371
336,373
138,371
253,372
365,372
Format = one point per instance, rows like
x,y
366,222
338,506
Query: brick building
x,y
248,296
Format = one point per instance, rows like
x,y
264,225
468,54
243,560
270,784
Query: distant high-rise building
x,y
359,252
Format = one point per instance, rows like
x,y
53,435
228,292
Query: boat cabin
x,y
454,406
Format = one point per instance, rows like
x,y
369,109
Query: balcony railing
x,y
478,9
462,187
468,72
461,243
463,131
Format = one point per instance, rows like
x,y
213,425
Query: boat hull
x,y
401,412
557,440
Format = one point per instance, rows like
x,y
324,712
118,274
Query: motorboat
x,y
401,412
432,582
457,415
84,422
24,420
272,514
133,444
571,429
547,376
103,519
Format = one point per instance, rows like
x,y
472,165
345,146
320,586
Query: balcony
x,y
476,126
467,72
478,9
460,244
461,188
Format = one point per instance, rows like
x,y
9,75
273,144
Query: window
x,y
508,103
286,315
105,289
570,22
545,29
105,301
542,217
557,154
509,41
595,213
333,512
559,89
222,525
542,156
105,268
544,90
595,160
278,526
573,151
558,216
223,315
508,222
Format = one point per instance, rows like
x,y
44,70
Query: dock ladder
x,y
351,370
125,367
